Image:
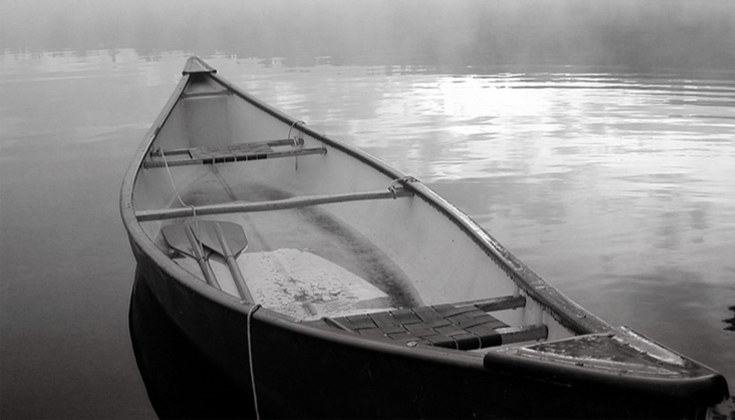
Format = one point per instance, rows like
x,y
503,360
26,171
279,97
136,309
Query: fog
x,y
640,33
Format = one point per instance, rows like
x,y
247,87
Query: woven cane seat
x,y
457,327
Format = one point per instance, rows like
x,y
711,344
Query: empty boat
x,y
324,283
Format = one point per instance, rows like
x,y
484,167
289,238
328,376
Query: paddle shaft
x,y
242,287
199,256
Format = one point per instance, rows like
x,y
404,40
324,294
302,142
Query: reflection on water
x,y
616,186
181,381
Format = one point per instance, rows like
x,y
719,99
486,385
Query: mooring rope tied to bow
x,y
250,358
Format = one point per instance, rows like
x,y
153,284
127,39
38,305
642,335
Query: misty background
x,y
643,34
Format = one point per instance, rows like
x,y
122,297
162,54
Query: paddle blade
x,y
233,233
181,238
177,239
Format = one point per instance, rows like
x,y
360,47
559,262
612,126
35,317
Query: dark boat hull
x,y
181,381
299,374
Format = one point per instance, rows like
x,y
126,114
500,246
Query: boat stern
x,y
622,367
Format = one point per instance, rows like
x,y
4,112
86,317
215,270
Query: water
x,y
615,183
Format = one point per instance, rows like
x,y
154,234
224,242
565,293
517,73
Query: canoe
x,y
323,283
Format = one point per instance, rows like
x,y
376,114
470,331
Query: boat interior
x,y
332,238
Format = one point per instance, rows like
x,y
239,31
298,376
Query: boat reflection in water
x,y
181,382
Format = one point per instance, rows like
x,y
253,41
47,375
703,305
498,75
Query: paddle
x,y
228,240
181,238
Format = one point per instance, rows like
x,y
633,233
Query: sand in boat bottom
x,y
298,284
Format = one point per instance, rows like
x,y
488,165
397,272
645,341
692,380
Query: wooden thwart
x,y
245,206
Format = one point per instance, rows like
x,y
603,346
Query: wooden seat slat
x,y
497,304
525,333
202,157
234,146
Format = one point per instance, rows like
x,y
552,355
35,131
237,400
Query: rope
x,y
171,178
176,191
250,359
252,309
296,141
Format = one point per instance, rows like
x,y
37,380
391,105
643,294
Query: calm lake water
x,y
616,185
